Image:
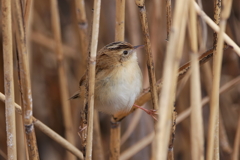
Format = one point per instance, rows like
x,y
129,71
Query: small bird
x,y
118,80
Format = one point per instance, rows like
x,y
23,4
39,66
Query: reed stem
x,y
66,110
91,75
25,84
8,79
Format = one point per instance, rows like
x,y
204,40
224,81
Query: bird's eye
x,y
125,53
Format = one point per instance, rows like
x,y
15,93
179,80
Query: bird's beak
x,y
138,47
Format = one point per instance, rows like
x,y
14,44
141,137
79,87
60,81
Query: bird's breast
x,y
118,90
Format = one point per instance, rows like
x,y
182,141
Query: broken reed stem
x,y
8,79
115,131
50,44
197,134
150,64
236,146
48,131
149,138
82,27
66,110
91,75
25,84
212,152
215,27
169,16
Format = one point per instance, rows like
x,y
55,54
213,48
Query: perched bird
x,y
118,80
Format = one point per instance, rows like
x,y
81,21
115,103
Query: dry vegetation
x,y
59,35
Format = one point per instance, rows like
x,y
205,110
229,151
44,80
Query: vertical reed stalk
x,y
25,84
91,75
98,145
217,12
82,27
197,135
235,153
150,64
212,153
8,79
27,13
66,110
169,16
115,132
173,55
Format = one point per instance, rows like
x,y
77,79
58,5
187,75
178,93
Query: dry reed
x,y
67,116
169,16
91,75
197,135
150,64
8,79
25,84
82,24
115,131
213,150
97,144
173,54
49,132
235,153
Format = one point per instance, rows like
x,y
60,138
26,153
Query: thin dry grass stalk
x,y
214,103
173,55
150,64
62,76
48,131
197,135
215,27
8,79
169,16
148,139
235,153
91,75
115,131
25,84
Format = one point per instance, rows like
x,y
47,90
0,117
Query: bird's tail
x,y
75,95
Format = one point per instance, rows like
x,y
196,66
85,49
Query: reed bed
x,y
190,68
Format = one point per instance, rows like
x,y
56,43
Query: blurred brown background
x,y
45,83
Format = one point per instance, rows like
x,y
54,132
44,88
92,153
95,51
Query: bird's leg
x,y
151,112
